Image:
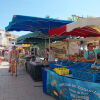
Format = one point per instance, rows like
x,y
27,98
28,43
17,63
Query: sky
x,y
61,9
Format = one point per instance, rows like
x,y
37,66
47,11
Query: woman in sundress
x,y
13,60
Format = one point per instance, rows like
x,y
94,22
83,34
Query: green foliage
x,y
47,16
27,48
74,18
22,55
42,45
69,18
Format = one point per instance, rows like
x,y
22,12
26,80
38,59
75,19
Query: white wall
x,y
2,37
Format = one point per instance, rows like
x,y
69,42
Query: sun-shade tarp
x,y
27,23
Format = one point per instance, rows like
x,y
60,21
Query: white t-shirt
x,y
73,48
51,56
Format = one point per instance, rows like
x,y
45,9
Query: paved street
x,y
21,87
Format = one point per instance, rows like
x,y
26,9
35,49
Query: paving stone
x,y
21,87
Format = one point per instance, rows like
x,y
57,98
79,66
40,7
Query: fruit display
x,y
74,58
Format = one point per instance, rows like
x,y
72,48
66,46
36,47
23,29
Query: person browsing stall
x,y
13,60
46,55
91,54
51,56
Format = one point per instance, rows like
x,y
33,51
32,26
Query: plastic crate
x,y
67,63
60,64
54,65
87,74
44,80
61,71
79,65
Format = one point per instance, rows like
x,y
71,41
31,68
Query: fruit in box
x,y
61,71
71,58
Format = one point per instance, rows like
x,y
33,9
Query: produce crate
x,y
87,76
79,65
52,66
60,64
67,63
61,71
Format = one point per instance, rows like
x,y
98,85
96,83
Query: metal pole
x,y
49,37
68,48
49,43
45,42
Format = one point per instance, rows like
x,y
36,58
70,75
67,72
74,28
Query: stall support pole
x,y
68,49
49,43
49,37
45,42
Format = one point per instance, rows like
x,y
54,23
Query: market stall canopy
x,y
90,22
36,37
27,23
86,27
30,41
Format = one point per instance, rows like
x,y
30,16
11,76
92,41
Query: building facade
x,y
7,39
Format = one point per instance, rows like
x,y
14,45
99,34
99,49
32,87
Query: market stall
x,y
66,88
68,80
85,27
75,80
28,23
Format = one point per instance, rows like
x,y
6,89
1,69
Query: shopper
x,y
6,55
13,60
46,55
51,56
3,53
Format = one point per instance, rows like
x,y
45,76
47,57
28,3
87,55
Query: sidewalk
x,y
21,87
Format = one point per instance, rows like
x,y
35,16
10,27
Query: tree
x,y
74,18
47,16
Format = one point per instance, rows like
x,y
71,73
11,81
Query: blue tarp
x,y
27,23
65,88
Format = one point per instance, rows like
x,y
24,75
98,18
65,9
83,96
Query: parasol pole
x,y
45,42
68,48
49,37
49,43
